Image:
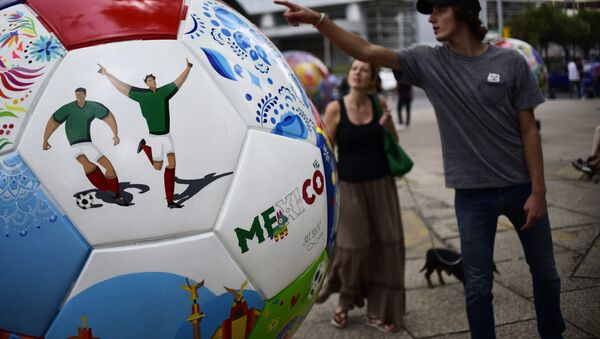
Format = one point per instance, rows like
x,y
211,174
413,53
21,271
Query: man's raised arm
x,y
349,42
119,85
183,76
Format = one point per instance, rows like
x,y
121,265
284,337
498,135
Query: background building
x,y
391,23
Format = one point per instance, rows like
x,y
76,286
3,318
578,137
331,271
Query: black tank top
x,y
361,156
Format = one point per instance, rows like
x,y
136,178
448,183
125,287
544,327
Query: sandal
x,y
381,325
339,318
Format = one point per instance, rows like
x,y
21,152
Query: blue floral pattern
x,y
281,105
23,206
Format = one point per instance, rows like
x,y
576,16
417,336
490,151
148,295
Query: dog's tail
x,y
424,267
496,269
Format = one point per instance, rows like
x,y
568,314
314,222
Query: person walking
x,y
484,98
369,253
574,77
405,97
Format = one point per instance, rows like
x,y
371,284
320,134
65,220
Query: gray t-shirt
x,y
476,100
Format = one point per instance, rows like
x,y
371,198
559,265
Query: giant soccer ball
x,y
213,212
531,55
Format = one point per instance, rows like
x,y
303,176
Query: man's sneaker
x,y
174,205
582,166
141,145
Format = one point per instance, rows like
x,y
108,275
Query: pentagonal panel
x,y
41,253
142,292
274,220
244,63
203,132
28,53
83,23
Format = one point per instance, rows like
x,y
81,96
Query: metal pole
x,y
500,18
327,51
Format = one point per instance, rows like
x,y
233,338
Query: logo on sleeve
x,y
493,78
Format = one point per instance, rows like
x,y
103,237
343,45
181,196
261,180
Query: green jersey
x,y
79,119
155,106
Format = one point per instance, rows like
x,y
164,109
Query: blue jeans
x,y
477,212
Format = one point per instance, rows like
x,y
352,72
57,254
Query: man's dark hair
x,y
149,76
81,89
469,16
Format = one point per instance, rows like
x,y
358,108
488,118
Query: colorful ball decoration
x,y
163,174
313,75
531,55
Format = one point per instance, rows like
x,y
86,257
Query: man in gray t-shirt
x,y
476,102
484,99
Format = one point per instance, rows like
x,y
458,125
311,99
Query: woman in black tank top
x,y
369,254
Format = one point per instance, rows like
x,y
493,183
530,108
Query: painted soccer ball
x,y
531,55
162,174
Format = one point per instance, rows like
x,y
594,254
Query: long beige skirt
x,y
369,254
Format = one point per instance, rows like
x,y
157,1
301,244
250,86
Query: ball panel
x,y
28,54
284,312
206,135
331,185
250,69
141,291
82,23
41,252
274,220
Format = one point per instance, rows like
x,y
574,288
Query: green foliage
x,y
547,24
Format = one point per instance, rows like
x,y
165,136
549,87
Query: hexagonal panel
x,y
142,292
284,313
41,253
274,219
204,130
80,23
28,54
256,77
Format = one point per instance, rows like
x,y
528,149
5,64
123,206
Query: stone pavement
x,y
427,206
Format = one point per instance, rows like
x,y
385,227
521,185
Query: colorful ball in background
x,y
314,76
531,55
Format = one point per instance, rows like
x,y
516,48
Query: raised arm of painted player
x,y
349,42
112,123
183,76
119,85
535,206
51,126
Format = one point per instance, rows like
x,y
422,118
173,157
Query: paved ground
x,y
427,206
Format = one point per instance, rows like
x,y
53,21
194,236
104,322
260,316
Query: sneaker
x,y
141,145
174,205
583,166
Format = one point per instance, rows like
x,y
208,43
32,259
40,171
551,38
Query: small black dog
x,y
439,259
